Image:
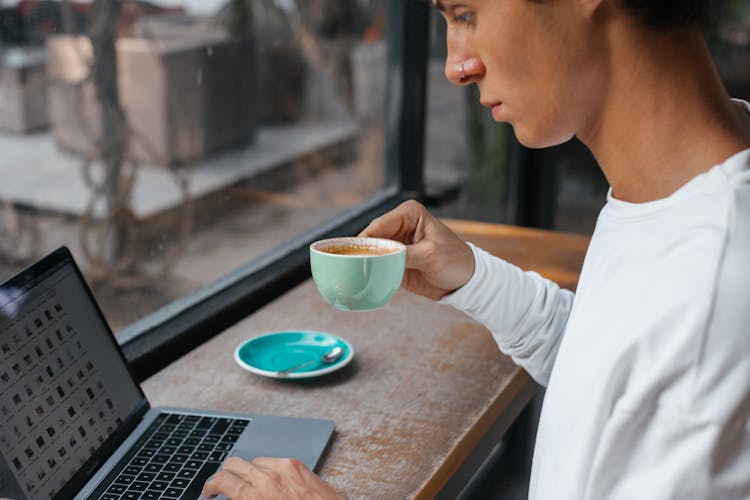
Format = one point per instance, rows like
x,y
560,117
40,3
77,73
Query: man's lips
x,y
496,107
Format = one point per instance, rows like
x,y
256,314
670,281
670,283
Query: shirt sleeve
x,y
526,313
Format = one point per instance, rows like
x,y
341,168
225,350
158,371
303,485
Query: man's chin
x,y
532,139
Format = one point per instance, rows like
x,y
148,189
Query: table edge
x,y
451,463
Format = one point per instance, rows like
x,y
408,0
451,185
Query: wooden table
x,y
426,384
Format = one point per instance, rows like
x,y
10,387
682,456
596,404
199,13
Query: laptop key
x,y
153,467
151,494
132,470
179,458
205,423
174,419
159,485
160,459
145,476
146,453
217,456
172,467
116,489
165,476
196,486
153,444
173,493
220,426
180,483
138,486
238,427
230,438
131,495
124,479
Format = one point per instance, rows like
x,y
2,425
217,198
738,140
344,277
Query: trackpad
x,y
284,437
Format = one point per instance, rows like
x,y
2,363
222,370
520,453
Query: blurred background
x,y
168,143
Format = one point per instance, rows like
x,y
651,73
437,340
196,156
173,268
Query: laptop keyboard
x,y
173,458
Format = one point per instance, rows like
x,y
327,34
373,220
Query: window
x,y
188,151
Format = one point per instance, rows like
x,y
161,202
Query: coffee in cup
x,y
357,274
361,250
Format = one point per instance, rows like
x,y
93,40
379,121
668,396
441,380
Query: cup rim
x,y
314,247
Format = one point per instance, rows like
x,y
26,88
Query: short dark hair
x,y
668,13
659,14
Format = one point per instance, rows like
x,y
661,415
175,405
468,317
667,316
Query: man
x,y
647,367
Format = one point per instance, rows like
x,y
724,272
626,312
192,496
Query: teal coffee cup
x,y
357,274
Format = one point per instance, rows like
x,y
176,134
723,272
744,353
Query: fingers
x,y
437,261
420,255
228,484
236,479
446,265
399,224
259,473
240,479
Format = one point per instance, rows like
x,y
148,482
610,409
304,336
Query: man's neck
x,y
666,117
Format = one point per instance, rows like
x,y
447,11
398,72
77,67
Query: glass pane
x,y
168,143
729,40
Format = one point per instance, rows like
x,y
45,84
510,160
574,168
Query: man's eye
x,y
463,17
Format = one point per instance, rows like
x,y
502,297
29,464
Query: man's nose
x,y
463,71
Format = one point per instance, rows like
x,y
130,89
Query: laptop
x,y
74,422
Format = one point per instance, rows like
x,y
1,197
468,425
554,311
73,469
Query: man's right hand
x,y
437,261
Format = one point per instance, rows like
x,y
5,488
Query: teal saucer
x,y
272,352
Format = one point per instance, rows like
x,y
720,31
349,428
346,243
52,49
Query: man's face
x,y
538,64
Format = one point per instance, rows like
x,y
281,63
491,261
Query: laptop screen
x,y
64,385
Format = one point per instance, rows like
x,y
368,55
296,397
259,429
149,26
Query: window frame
x,y
161,337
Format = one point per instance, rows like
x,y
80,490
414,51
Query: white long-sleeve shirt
x,y
647,368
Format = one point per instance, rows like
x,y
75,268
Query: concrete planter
x,y
184,98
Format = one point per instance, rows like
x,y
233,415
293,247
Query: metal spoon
x,y
330,357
